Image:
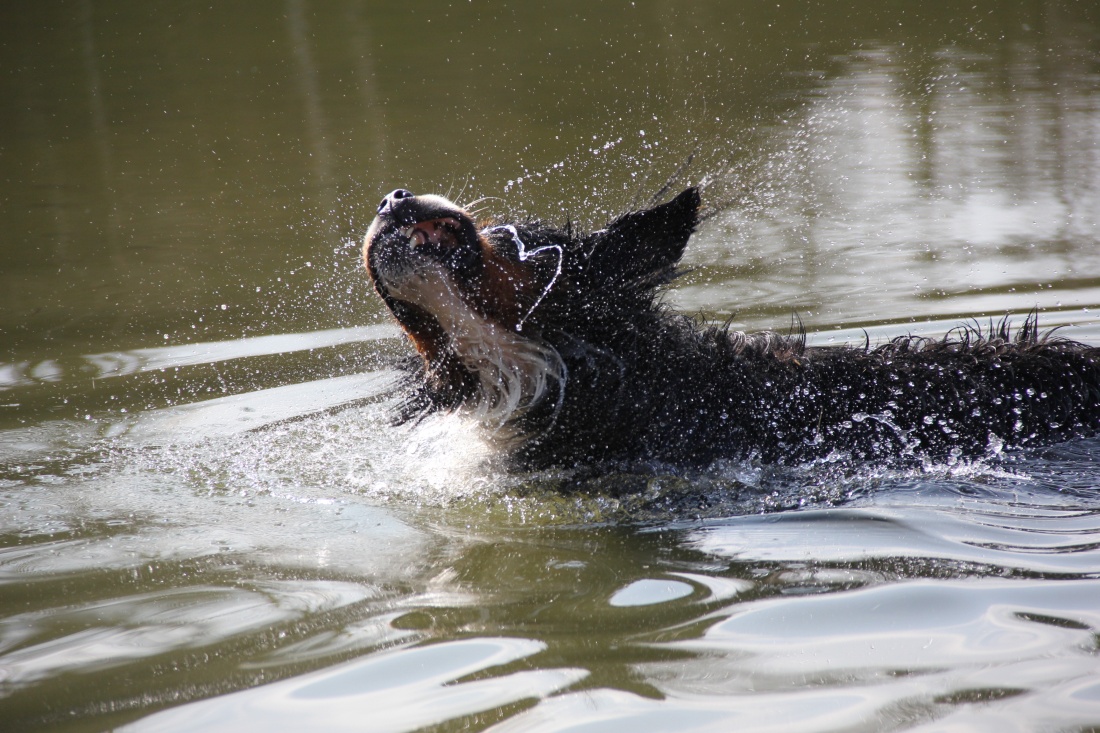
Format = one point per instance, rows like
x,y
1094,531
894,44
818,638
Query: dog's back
x,y
558,342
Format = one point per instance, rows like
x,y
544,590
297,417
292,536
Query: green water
x,y
207,521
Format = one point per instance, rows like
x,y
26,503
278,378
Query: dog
x,y
557,342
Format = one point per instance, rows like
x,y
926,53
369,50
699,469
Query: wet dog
x,y
556,341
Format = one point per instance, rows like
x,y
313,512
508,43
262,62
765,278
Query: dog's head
x,y
437,272
469,297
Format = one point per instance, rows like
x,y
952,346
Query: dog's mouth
x,y
414,234
443,232
399,250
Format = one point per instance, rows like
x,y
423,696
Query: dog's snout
x,y
392,198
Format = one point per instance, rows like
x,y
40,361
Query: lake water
x,y
207,522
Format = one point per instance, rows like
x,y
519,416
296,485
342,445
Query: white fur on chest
x,y
514,372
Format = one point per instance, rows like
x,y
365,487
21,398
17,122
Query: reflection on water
x,y
941,183
208,521
778,665
388,692
287,547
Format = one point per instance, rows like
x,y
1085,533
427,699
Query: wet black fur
x,y
648,384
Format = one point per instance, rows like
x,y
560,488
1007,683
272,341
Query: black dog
x,y
556,341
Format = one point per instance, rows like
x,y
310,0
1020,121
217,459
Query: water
x,y
209,523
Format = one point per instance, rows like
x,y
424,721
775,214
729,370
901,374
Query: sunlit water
x,y
208,521
293,536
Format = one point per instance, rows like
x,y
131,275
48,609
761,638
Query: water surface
x,y
209,522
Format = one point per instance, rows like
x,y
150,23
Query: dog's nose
x,y
392,198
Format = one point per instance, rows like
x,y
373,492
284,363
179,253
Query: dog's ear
x,y
641,249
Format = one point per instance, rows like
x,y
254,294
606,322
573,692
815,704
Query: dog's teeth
x,y
406,231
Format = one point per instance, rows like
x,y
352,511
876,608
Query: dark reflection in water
x,y
192,174
207,521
